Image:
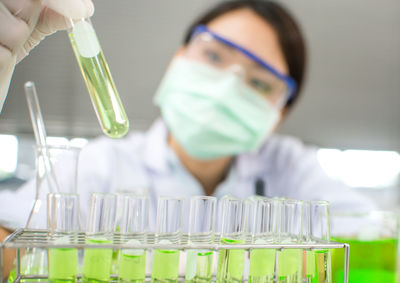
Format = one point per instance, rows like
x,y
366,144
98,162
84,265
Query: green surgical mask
x,y
212,113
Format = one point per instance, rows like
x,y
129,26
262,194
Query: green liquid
x,y
62,265
199,266
262,264
318,266
370,261
101,87
12,276
230,263
289,265
165,266
33,262
132,267
97,262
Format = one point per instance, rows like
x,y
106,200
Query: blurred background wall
x,y
351,99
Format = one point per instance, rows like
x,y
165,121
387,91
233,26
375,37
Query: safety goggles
x,y
207,47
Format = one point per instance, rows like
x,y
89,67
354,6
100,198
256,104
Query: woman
x,y
237,75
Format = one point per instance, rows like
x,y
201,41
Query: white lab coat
x,y
144,162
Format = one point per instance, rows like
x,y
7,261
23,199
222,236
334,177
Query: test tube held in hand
x,y
201,231
99,82
168,231
100,227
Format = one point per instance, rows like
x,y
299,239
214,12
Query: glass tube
x,y
318,262
220,209
233,229
64,164
63,225
201,231
168,231
289,231
262,261
98,79
134,225
100,227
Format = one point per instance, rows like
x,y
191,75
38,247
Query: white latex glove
x,y
24,23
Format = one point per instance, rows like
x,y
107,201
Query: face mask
x,y
212,113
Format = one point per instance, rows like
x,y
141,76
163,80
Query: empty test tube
x,y
168,232
98,79
201,231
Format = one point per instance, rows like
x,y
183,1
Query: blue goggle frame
x,y
291,84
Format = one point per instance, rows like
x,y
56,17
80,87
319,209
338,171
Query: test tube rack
x,y
27,238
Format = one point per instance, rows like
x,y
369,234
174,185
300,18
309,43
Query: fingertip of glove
x,y
89,7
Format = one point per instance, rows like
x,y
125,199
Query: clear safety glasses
x,y
207,47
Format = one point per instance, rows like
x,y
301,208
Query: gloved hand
x,y
24,23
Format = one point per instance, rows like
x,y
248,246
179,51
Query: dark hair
x,y
290,37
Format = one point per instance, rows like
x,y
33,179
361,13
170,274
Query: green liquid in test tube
x,y
199,263
318,261
231,261
322,263
97,262
132,266
63,224
98,79
289,269
133,225
168,232
165,265
62,265
262,261
289,231
262,265
199,266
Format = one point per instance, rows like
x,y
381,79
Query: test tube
x,y
262,261
134,224
289,232
168,232
233,229
98,79
100,227
201,231
318,262
63,224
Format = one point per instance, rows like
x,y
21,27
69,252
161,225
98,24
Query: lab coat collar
x,y
157,155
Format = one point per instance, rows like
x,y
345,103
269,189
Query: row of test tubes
x,y
256,221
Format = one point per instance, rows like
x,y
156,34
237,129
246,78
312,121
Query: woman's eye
x,y
261,86
213,56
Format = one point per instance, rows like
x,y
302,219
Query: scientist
x,y
238,73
